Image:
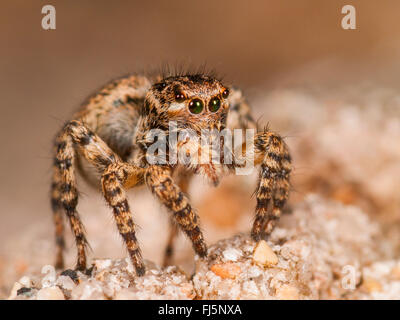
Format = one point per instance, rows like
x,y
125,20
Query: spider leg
x,y
272,153
115,195
65,195
239,111
183,181
116,176
57,208
159,180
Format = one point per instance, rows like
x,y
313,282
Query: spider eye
x,y
179,97
214,104
225,94
160,86
196,106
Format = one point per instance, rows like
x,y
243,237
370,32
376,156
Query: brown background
x,y
259,45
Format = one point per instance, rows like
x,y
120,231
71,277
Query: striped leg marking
x,y
57,208
116,176
160,182
273,182
65,193
115,196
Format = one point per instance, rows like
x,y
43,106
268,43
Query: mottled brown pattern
x,y
109,135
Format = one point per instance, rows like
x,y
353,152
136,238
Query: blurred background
x,y
296,64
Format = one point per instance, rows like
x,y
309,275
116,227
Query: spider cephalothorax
x,y
195,101
111,134
189,102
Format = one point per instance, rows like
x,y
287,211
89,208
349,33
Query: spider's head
x,y
196,103
193,101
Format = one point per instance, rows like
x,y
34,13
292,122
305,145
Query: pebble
x,y
66,282
50,293
232,254
264,255
14,290
102,264
227,270
287,292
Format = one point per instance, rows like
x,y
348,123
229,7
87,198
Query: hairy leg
x,y
159,180
113,189
65,195
183,181
273,155
116,175
239,111
57,208
114,107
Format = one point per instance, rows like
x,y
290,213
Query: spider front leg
x,y
116,175
159,180
183,181
112,181
273,186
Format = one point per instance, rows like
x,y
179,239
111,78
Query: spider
x,y
108,134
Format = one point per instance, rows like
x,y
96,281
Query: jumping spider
x,y
108,133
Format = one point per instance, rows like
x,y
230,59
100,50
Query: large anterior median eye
x,y
196,106
214,104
